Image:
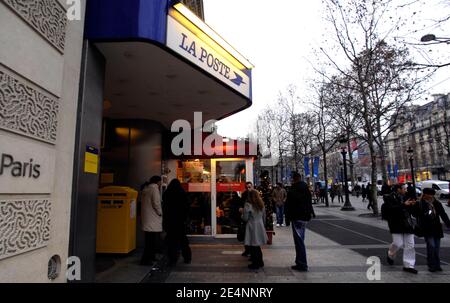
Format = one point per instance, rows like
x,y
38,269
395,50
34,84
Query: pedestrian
x,y
299,210
340,191
385,189
151,216
411,192
279,198
176,209
255,234
363,193
357,190
429,212
397,211
332,192
369,196
244,198
322,193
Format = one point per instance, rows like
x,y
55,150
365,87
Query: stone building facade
x,y
426,130
40,57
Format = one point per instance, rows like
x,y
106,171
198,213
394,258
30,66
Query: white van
x,y
441,188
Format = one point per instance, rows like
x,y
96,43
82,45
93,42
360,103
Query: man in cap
x,y
429,211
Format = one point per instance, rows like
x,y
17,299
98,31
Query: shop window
x,y
195,177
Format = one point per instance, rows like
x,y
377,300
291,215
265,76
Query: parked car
x,y
441,188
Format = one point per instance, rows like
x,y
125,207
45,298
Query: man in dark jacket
x,y
429,211
175,214
299,211
397,211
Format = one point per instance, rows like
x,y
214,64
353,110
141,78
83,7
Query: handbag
x,y
415,223
417,228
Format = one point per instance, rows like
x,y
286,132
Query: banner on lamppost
x,y
396,171
389,168
306,164
316,167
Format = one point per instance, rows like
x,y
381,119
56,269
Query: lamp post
x,y
410,152
431,38
347,205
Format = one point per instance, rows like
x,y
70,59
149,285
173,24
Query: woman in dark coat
x,y
175,213
428,212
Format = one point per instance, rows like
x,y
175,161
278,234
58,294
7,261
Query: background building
x,y
426,129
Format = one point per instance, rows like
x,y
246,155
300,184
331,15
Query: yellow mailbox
x,y
116,220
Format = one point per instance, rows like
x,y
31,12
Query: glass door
x,y
228,183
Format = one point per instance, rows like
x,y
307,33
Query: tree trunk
x,y
374,191
325,176
384,171
350,159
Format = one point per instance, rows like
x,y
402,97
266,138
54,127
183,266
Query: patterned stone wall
x,y
27,109
30,111
47,17
24,226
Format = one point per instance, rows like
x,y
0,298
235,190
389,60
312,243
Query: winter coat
x,y
151,210
428,220
176,208
255,231
279,196
397,214
299,203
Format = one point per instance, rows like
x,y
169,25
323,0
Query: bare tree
x,y
304,123
342,110
289,102
377,72
325,132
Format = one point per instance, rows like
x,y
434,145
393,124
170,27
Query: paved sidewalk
x,y
363,215
329,261
338,245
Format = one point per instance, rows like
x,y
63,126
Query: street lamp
x,y
431,37
347,205
410,152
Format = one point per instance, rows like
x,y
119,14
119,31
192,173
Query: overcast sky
x,y
278,37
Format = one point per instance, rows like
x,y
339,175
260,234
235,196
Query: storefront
x,y
146,65
215,185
